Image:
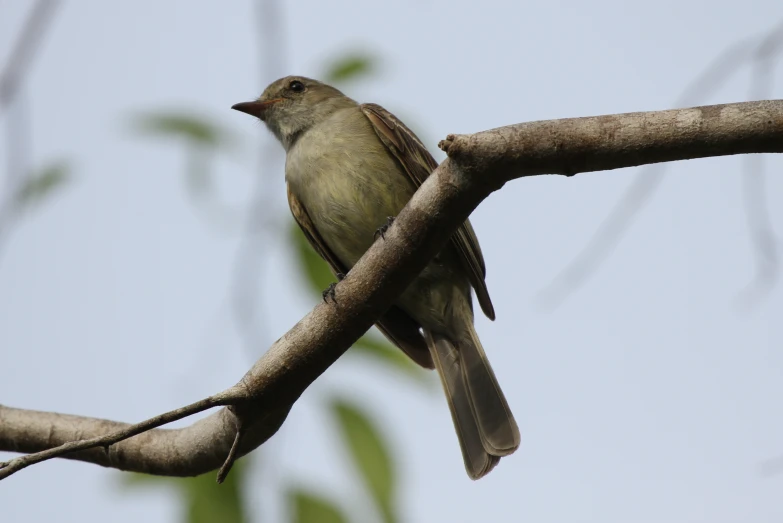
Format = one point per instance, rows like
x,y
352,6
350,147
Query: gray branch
x,y
478,164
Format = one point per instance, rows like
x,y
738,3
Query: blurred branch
x,y
17,124
17,135
259,222
645,184
762,234
24,51
477,165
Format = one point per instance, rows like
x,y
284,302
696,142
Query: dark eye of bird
x,y
296,86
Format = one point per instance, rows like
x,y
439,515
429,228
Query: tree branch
x,y
600,143
478,164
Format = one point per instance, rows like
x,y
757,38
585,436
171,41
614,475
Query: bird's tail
x,y
485,426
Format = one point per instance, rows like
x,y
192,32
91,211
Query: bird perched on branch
x,y
349,167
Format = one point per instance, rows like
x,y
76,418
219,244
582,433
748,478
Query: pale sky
x,y
648,396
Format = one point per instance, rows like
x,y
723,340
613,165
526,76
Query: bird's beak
x,y
255,108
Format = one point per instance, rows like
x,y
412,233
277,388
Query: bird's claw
x,y
380,231
329,293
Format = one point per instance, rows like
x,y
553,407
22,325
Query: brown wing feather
x,y
395,324
418,164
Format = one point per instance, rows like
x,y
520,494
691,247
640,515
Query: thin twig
x,y
15,465
24,51
232,455
17,126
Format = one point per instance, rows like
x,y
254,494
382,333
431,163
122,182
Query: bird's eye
x,y
296,86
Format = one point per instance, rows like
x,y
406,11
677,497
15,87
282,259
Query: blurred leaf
x,y
317,270
203,139
350,67
310,508
43,183
370,455
205,501
196,130
389,355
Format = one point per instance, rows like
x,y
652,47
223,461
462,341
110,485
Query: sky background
x,y
647,396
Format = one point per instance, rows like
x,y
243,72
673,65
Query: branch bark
x,y
478,164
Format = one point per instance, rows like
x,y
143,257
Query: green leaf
x,y
42,184
316,270
390,356
194,129
307,507
370,455
202,138
204,500
350,67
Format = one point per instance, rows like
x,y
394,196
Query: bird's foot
x,y
329,293
383,228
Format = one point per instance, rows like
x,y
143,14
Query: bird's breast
x,y
348,183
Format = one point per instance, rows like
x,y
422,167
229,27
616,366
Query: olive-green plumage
x,y
348,168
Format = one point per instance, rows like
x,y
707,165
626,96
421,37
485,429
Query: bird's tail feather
x,y
485,426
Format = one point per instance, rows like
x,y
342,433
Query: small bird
x,y
349,168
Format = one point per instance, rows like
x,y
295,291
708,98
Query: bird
x,y
349,169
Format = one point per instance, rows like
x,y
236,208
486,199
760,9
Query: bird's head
x,y
292,105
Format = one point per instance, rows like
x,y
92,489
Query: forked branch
x,y
478,164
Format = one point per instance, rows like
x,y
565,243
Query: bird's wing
x,y
418,163
395,324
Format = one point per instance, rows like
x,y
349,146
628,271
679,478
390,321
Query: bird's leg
x,y
329,292
383,228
